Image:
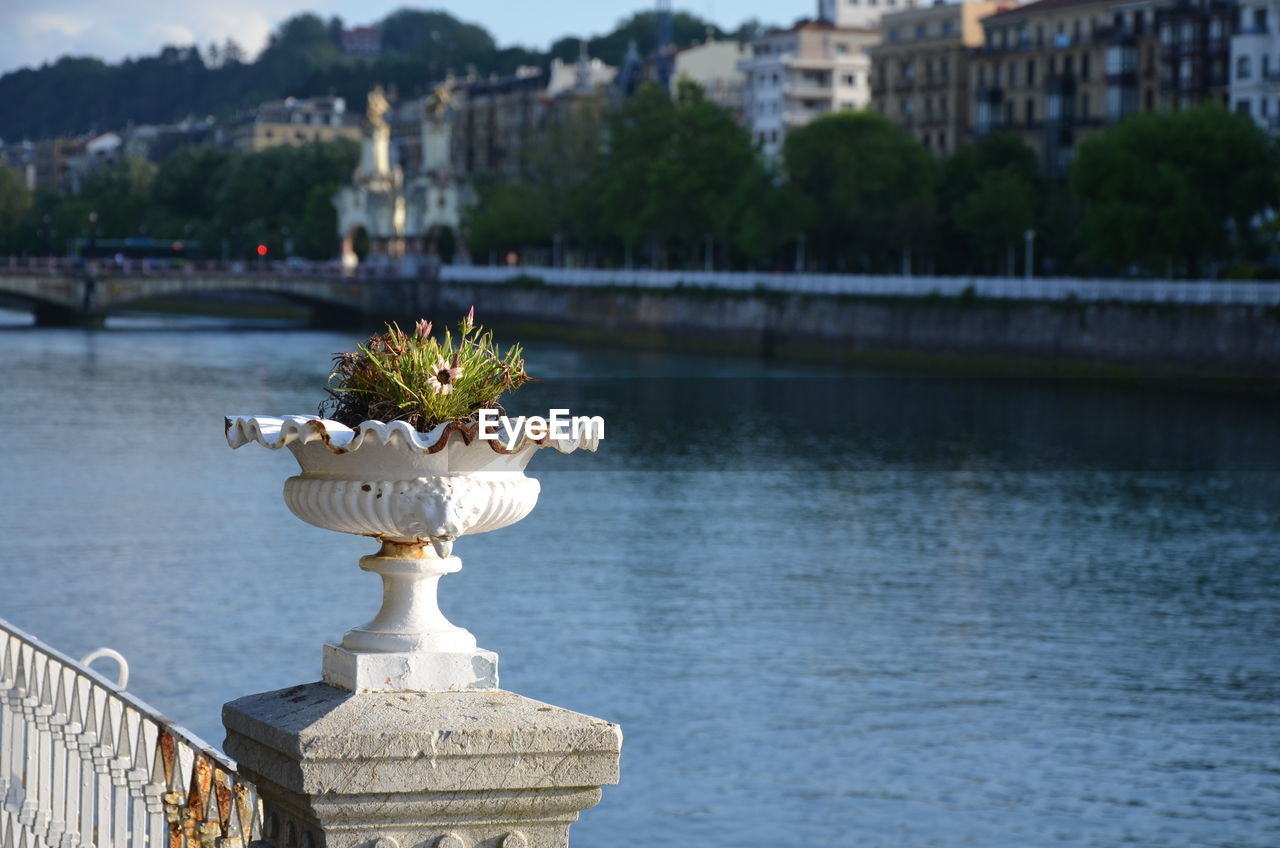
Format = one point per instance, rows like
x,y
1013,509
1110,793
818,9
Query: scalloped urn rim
x,y
391,482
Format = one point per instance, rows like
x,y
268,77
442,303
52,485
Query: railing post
x,y
470,769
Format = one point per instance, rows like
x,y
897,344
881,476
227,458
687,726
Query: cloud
x,y
32,34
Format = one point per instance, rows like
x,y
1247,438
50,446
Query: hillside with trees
x,y
304,58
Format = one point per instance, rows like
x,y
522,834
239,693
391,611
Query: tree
x,y
989,194
508,216
870,186
673,172
1167,189
15,199
120,194
185,184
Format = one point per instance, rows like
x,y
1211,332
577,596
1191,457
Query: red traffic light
x,y
262,250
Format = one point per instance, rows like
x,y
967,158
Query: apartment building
x,y
295,121
1255,63
1195,50
714,67
1055,71
920,70
795,75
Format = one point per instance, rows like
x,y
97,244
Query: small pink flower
x,y
444,376
423,328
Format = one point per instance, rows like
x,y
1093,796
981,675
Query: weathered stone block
x,y
475,769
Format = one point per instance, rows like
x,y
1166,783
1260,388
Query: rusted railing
x,y
84,764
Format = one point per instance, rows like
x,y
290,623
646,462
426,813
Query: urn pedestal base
x,y
419,671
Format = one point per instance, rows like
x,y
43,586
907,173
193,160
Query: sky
x,y
33,32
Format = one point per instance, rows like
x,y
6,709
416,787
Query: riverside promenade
x,y
1133,328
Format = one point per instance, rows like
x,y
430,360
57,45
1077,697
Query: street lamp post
x,y
800,239
1030,236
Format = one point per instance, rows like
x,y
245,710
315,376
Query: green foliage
x,y
508,216
15,200
279,195
1167,189
303,59
869,187
674,172
990,193
641,28
420,379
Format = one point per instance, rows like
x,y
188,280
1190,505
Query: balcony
x,y
808,91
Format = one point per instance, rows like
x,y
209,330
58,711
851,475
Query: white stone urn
x,y
416,493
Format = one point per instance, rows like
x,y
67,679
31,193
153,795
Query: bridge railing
x,y
84,764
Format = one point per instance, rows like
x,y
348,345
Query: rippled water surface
x,y
827,608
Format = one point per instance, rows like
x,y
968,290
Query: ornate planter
x,y
416,493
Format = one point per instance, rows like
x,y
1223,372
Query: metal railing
x,y
1252,292
84,764
1247,292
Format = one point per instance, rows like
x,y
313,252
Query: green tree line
x,y
280,197
304,58
676,182
673,182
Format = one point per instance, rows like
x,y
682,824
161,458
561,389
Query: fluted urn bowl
x,y
394,483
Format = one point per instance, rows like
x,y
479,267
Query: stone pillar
x,y
473,769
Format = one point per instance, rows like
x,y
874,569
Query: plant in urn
x,y
405,456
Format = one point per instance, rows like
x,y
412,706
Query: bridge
x,y
60,294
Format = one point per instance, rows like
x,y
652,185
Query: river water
x,y
828,608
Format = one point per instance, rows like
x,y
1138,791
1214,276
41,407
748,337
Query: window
x,y
906,106
1260,20
1011,74
1262,106
1151,99
1068,65
841,47
1242,106
893,33
1084,66
1243,69
920,31
925,141
982,76
1031,72
1039,35
1008,113
1084,105
1266,68
1031,111
948,27
1053,65
848,79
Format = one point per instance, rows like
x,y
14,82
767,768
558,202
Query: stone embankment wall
x,y
966,333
